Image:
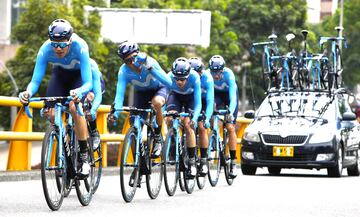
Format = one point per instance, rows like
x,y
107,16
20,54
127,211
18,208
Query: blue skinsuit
x,y
227,84
145,80
77,58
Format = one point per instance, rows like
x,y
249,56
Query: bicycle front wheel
x,y
171,163
213,160
129,166
53,175
154,178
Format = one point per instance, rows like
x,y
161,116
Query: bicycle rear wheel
x,y
213,160
129,167
189,184
200,180
84,186
53,176
171,165
227,162
68,187
154,178
97,164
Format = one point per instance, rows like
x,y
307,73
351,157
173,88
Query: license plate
x,y
283,151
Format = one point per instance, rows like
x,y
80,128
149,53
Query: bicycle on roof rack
x,y
335,73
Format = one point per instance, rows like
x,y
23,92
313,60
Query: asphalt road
x,y
293,193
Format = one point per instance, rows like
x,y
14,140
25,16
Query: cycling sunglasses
x,y
62,45
217,71
180,78
130,59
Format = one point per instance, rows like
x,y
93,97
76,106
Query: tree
x,y
31,32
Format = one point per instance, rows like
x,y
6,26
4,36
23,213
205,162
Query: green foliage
x,y
234,25
350,55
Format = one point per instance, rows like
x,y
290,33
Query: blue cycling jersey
x,y
76,58
96,87
227,84
207,93
142,81
192,85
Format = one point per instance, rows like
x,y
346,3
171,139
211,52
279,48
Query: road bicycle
x,y
335,72
136,159
176,156
59,156
270,70
218,156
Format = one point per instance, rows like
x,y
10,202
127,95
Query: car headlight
x,y
321,137
251,137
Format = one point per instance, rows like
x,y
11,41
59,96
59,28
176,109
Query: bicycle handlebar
x,y
332,39
132,109
256,44
51,99
176,114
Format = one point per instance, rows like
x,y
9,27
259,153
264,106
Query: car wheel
x,y
336,171
355,170
248,170
274,170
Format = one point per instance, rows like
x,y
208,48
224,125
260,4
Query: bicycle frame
x,y
59,109
176,125
137,124
216,130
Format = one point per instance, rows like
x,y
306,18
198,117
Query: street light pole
x,y
341,21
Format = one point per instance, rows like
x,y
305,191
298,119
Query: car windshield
x,y
295,104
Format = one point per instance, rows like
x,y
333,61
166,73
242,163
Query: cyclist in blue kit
x,y
146,75
226,94
186,92
71,74
207,106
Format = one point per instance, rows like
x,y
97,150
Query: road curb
x,y
10,176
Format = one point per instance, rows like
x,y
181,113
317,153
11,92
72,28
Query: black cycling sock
x,y
83,146
191,152
158,130
203,152
92,125
233,154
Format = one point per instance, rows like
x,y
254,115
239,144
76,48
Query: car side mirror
x,y
249,114
348,116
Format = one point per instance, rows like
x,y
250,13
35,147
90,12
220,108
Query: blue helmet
x,y
196,64
181,67
126,48
60,29
216,63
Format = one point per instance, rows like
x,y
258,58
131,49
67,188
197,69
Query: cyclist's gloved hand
x,y
75,93
141,59
207,124
24,97
230,117
91,116
193,124
112,118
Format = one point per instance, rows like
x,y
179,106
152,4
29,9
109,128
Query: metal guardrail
x,y
21,135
